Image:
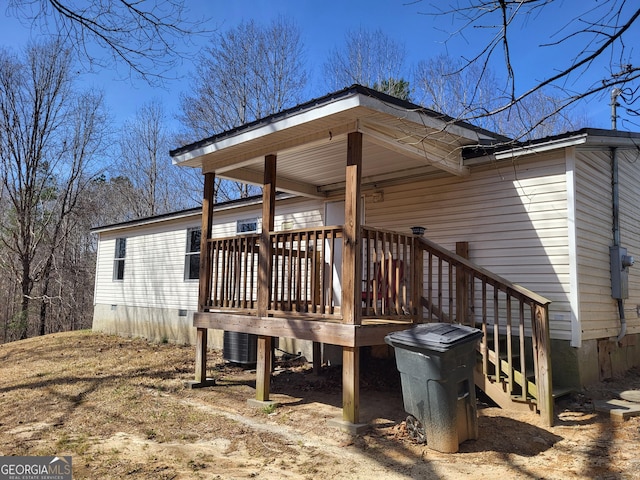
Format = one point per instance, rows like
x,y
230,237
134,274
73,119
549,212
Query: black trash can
x,y
436,362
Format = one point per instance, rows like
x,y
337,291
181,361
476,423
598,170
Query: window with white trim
x,y
248,225
192,254
119,258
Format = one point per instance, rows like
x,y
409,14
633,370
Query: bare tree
x,y
153,185
368,58
469,92
597,37
49,136
147,37
249,72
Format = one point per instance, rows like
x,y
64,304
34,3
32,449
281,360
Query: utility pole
x,y
615,93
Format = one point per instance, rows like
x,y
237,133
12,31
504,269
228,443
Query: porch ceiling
x,y
311,146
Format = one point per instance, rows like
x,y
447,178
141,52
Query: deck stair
x,y
514,358
507,385
499,383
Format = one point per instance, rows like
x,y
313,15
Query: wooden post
x,y
351,384
542,362
204,282
201,355
317,358
462,285
417,281
263,366
351,255
204,286
352,278
263,369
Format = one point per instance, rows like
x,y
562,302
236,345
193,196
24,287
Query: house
x,y
531,243
147,269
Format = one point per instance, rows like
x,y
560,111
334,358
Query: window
x,y
249,225
118,263
192,256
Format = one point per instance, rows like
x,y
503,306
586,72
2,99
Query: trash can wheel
x,y
415,429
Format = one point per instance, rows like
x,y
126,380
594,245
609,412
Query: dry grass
x,y
120,408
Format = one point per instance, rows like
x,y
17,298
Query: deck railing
x,y
303,269
514,321
387,267
234,263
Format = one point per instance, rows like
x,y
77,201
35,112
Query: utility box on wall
x,y
620,263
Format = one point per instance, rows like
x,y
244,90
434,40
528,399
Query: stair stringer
x,y
497,391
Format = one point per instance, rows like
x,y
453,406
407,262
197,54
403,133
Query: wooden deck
x,y
282,284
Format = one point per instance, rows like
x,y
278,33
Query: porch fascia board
x,y
334,333
270,128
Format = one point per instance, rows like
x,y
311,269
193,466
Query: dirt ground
x,y
120,409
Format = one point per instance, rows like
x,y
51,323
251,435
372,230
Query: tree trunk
x,y
43,304
23,317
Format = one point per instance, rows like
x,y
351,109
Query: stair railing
x,y
515,346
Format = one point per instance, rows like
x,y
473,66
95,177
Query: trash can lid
x,y
434,336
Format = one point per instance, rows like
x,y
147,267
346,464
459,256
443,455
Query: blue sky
x,y
323,26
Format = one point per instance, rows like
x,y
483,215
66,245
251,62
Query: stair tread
x,y
558,392
528,399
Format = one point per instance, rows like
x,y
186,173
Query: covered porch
x,y
283,283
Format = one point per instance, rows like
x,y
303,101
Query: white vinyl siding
x,y
514,216
629,168
598,311
154,271
155,261
593,220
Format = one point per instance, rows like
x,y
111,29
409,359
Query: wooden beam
x,y
249,175
331,332
317,358
263,366
388,178
263,371
334,333
264,253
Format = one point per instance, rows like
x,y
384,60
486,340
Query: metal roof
x,y
585,137
189,212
